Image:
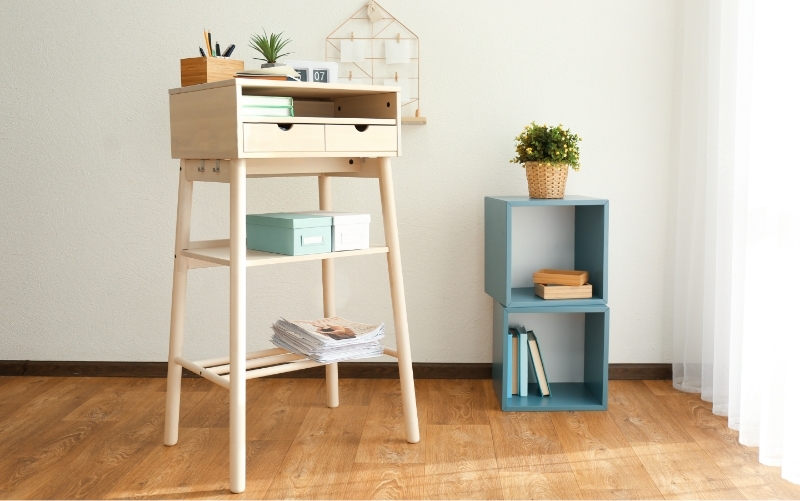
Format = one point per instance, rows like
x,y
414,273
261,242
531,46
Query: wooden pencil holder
x,y
200,70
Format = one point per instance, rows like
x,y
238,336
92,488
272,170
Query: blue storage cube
x,y
289,233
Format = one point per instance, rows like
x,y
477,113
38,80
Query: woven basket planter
x,y
546,180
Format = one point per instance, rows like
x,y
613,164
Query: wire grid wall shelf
x,y
374,27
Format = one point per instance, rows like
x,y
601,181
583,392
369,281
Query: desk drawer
x,y
361,138
283,137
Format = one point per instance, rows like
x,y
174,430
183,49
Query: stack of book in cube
x,y
267,106
329,340
562,284
526,352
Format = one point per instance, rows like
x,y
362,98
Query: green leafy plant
x,y
550,145
269,46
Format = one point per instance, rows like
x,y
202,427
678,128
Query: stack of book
x,y
267,106
562,284
329,340
525,353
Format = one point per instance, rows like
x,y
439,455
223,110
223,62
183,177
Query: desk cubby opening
x,y
574,347
315,100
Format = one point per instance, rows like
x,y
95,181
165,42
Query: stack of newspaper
x,y
329,339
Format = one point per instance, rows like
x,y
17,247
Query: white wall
x,y
88,188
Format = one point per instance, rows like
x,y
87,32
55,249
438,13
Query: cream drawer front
x,y
283,137
370,138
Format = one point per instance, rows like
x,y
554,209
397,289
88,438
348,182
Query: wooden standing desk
x,y
338,130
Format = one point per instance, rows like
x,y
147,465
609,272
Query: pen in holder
x,y
200,70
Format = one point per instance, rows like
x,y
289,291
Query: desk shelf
x,y
319,120
221,255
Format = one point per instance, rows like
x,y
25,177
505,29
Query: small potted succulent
x,y
270,47
547,153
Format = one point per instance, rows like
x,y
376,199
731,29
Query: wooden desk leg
x,y
329,295
179,273
238,325
398,302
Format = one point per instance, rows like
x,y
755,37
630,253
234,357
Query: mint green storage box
x,y
289,233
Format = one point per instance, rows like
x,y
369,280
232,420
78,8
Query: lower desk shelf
x,y
576,350
221,255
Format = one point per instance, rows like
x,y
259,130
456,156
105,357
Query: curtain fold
x,y
738,221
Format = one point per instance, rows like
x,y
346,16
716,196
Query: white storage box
x,y
350,231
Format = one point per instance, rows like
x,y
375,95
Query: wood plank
x,y
689,473
133,441
640,416
164,471
352,393
26,469
383,439
622,494
457,402
703,490
263,460
721,444
279,407
28,426
91,472
20,391
662,387
545,481
464,485
590,435
386,481
778,490
318,463
459,448
116,403
623,473
525,438
212,411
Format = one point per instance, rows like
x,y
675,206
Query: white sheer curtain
x,y
737,297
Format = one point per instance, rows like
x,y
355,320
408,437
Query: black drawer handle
x,y
361,128
285,127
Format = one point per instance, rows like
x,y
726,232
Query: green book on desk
x,y
267,101
261,111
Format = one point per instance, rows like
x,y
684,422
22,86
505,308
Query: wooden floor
x,y
102,438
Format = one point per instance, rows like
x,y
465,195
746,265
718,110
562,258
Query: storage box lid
x,y
341,217
289,220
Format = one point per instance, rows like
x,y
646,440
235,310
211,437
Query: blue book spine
x,y
523,361
509,366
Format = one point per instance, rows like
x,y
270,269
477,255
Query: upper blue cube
x,y
523,235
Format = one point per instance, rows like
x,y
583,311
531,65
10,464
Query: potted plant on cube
x,y
270,47
547,153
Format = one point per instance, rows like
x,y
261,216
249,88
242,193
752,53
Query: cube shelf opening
x,y
524,235
574,346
